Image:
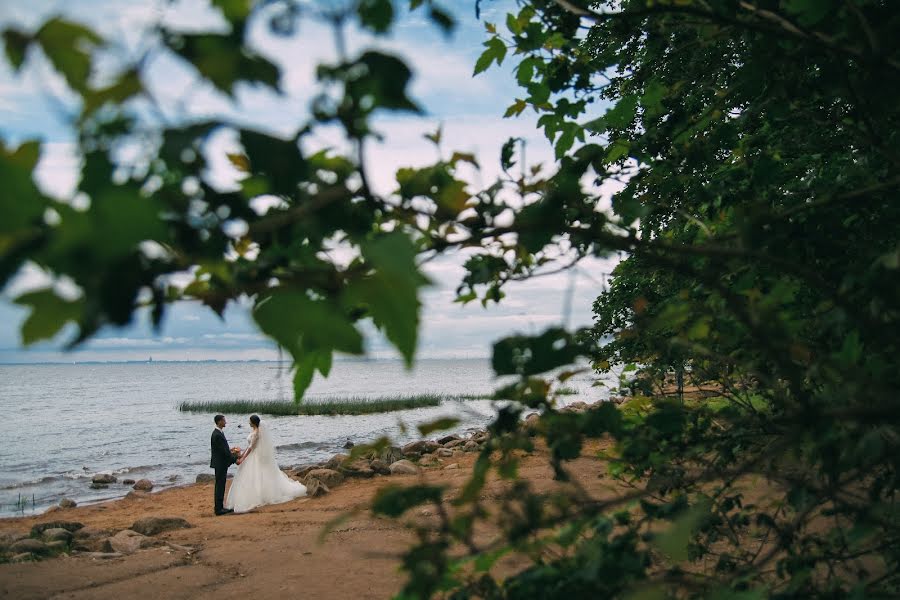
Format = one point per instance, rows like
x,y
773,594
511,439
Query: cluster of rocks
x,y
410,459
102,481
53,538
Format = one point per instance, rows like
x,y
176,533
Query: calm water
x,y
64,423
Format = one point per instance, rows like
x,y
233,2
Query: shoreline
x,y
272,551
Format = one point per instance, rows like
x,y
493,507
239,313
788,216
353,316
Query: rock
x,y
67,503
578,407
357,468
617,400
303,471
443,452
72,526
451,467
316,488
99,486
154,525
172,478
329,477
205,478
58,546
480,437
380,467
348,445
471,446
23,557
428,460
335,461
412,456
403,467
417,447
128,482
89,532
57,534
144,485
129,542
30,545
455,443
137,495
431,445
447,439
391,455
103,478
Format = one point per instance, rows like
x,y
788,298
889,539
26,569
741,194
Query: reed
x,y
349,405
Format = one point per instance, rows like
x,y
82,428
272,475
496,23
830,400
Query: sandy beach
x,y
274,551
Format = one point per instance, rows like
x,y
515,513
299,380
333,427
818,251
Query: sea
x,y
61,424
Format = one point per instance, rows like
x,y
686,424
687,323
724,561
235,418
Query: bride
x,y
259,480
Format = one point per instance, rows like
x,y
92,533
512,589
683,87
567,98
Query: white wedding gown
x,y
258,480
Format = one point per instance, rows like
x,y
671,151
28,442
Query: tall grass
x,y
350,405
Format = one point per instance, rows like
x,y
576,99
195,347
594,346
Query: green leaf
x,y
674,542
69,46
390,291
515,108
223,59
394,500
15,43
300,324
235,11
809,12
529,355
377,15
438,425
496,51
125,87
21,203
622,114
49,314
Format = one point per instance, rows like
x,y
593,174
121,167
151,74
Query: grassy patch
x,y
351,405
566,391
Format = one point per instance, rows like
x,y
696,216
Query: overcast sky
x,y
470,110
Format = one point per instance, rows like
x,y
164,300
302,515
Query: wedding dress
x,y
258,480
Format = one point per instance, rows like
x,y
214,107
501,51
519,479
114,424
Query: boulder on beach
x,y
103,478
137,495
205,478
57,534
348,444
335,461
451,467
357,468
40,528
471,446
67,503
454,443
154,525
447,439
316,488
303,470
417,447
29,545
443,452
391,454
404,467
380,467
329,477
128,541
143,485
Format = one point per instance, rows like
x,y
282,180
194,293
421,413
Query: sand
x,y
271,552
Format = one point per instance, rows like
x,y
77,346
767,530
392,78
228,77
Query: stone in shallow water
x,y
103,478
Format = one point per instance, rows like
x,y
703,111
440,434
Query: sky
x,y
469,110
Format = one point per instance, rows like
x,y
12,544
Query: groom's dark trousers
x,y
220,459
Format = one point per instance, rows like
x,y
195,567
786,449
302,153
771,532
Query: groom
x,y
220,461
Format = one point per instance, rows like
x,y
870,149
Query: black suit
x,y
221,458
